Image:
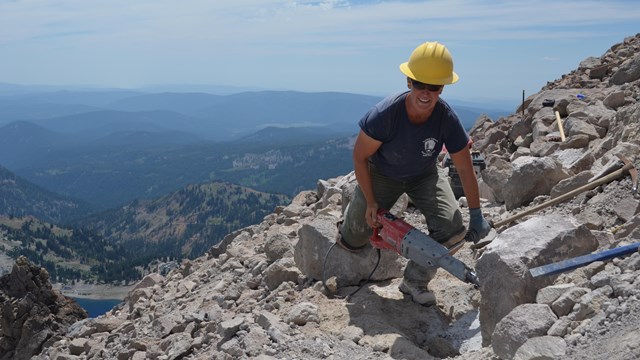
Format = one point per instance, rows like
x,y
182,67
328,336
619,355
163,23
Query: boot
x,y
418,292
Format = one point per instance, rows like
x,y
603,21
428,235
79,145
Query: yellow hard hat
x,y
430,63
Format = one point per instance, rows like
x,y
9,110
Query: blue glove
x,y
478,226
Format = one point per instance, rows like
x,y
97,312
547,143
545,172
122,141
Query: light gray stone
x,y
503,267
628,72
230,327
281,271
567,185
303,313
549,294
591,302
522,323
560,327
317,237
532,177
615,100
542,348
278,246
573,127
563,305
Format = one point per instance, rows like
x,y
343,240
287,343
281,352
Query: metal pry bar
x,y
576,262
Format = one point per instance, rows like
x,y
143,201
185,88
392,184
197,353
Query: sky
x,y
499,48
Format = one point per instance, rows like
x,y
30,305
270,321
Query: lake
x,y
96,308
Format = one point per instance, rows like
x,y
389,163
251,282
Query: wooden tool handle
x,y
559,120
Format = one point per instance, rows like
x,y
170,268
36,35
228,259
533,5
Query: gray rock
x,y
560,327
591,302
549,294
315,239
542,348
149,281
78,346
303,313
575,127
532,177
628,72
615,100
32,311
229,328
567,185
522,323
502,268
565,302
255,341
281,271
278,246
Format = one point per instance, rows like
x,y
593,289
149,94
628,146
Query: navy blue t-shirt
x,y
408,150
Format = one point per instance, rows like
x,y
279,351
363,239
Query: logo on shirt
x,y
429,147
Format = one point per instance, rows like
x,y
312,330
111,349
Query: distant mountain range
x,y
214,117
108,147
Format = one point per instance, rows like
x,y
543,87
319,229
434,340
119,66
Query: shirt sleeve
x,y
372,125
379,122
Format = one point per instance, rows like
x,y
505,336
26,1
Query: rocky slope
x,y
259,293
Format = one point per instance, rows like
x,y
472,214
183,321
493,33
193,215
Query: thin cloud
x,y
275,42
306,20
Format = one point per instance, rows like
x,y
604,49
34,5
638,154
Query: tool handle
x,y
559,120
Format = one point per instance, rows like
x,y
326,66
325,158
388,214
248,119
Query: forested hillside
x,y
119,245
68,254
19,197
185,223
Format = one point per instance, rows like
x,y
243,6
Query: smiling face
x,y
421,100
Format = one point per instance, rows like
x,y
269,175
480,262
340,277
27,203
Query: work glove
x,y
478,226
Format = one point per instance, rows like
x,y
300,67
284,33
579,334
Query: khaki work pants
x,y
430,193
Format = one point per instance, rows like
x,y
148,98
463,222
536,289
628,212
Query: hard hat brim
x,y
404,68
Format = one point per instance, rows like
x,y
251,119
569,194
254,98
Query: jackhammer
x,y
397,235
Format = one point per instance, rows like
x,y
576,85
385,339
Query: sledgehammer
x,y
550,103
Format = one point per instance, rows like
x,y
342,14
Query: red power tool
x,y
397,235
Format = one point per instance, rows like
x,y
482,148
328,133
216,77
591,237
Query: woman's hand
x,y
371,215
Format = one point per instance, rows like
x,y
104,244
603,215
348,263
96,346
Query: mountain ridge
x,y
19,197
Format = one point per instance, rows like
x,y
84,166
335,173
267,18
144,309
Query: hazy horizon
x,y
499,48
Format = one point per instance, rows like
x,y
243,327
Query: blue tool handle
x,y
574,263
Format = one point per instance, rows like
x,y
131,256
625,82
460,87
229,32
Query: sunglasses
x,y
422,86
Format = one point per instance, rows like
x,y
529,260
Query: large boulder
x,y
503,269
531,177
576,126
33,313
316,239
